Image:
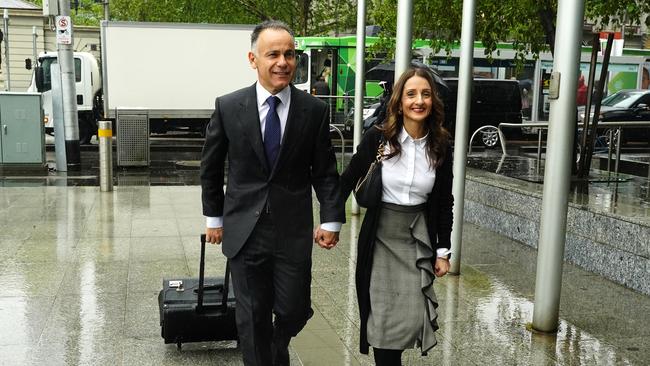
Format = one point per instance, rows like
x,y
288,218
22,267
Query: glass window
x,y
47,73
644,100
302,68
622,99
77,70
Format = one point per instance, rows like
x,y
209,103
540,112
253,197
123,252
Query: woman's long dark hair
x,y
438,136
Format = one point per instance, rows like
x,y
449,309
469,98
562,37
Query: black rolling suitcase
x,y
197,309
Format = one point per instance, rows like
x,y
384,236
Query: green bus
x,y
334,59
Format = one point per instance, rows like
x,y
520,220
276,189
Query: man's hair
x,y
269,24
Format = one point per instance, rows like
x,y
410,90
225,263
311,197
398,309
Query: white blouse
x,y
407,178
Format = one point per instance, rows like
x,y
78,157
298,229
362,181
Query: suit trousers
x,y
268,281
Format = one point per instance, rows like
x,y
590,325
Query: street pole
x,y
66,63
557,174
465,71
107,11
34,50
359,81
6,41
404,37
536,91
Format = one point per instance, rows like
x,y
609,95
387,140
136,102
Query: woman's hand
x,y
441,267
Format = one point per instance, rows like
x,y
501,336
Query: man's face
x,y
274,59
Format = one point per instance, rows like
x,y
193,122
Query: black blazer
x,y
439,218
306,160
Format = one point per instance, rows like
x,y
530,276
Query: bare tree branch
x,y
251,6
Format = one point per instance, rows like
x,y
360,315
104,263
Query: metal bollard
x,y
105,136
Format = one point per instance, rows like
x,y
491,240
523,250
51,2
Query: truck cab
x,y
88,91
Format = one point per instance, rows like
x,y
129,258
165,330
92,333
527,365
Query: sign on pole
x,y
63,29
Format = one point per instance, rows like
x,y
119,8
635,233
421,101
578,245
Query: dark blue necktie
x,y
272,131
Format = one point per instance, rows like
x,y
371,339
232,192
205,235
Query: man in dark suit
x,y
276,140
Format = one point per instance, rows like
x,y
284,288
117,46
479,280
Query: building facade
x,y
29,34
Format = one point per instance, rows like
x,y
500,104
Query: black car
x,y
625,105
493,101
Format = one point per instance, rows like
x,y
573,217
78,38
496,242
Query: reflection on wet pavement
x,y
624,195
170,165
81,271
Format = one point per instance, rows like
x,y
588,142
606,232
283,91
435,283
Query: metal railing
x,y
340,117
618,125
337,130
340,111
481,129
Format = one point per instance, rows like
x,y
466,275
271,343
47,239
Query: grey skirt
x,y
402,301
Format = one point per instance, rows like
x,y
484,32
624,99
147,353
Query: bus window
x,y
302,68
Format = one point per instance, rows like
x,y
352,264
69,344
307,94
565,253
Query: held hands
x,y
441,266
326,239
214,235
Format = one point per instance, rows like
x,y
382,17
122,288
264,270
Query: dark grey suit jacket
x,y
306,160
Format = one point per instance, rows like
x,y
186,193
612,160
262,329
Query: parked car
x,y
625,105
493,101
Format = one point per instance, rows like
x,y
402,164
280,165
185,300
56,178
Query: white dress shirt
x,y
283,112
282,108
408,178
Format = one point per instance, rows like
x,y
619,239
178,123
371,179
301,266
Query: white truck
x,y
88,88
174,71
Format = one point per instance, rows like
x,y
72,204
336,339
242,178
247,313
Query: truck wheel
x,y
86,131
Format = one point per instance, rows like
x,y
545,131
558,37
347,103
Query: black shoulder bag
x,y
369,188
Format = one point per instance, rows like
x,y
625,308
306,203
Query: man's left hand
x,y
326,239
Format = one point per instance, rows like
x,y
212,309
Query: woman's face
x,y
417,99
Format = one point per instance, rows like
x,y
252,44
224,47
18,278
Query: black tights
x,y
388,357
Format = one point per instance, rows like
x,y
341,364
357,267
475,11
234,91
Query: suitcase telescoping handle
x,y
226,280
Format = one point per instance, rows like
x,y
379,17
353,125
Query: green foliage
x,y
306,17
529,25
616,12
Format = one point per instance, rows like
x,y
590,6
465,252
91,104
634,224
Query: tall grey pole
x,y
57,116
34,49
107,11
6,41
536,91
562,116
359,81
465,71
66,62
404,36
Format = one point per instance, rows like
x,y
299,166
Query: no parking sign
x,y
63,29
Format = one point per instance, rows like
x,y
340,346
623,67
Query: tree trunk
x,y
306,4
547,17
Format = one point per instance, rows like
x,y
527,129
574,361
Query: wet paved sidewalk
x,y
80,273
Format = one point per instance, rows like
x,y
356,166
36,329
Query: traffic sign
x,y
63,29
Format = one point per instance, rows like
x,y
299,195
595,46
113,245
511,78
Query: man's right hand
x,y
326,239
214,235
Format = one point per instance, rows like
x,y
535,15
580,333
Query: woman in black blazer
x,y
404,242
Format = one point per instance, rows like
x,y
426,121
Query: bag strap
x,y
380,150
